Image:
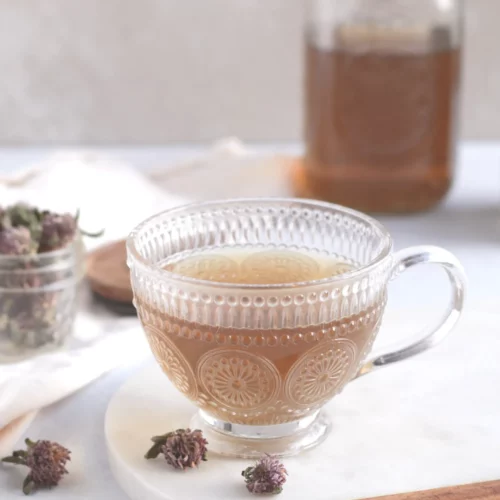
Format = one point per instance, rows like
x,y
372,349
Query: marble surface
x,y
468,224
421,424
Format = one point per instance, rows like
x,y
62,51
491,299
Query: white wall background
x,y
162,71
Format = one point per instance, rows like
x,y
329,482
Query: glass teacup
x,y
260,311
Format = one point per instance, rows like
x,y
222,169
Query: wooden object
x,y
12,432
479,491
108,274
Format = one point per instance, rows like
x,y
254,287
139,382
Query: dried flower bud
x,y
57,231
4,219
24,215
49,231
46,461
182,449
16,241
268,475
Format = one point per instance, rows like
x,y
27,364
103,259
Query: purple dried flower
x,y
57,231
268,475
16,241
182,449
24,215
46,461
49,231
4,219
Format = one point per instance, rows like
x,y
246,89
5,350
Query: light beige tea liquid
x,y
258,267
256,375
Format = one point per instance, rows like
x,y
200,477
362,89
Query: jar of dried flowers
x,y
41,268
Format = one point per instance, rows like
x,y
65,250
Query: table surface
x,y
468,224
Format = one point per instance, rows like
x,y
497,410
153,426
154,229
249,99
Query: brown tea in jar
x,y
380,119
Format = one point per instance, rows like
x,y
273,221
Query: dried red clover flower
x,y
57,231
268,475
24,215
16,241
4,219
182,448
46,461
49,230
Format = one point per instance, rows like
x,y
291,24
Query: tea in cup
x,y
260,311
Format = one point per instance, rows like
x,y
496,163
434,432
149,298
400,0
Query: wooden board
x,y
12,432
479,491
108,274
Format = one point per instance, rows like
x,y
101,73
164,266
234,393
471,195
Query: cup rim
x,y
384,253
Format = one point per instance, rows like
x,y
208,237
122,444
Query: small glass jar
x,y
382,81
38,300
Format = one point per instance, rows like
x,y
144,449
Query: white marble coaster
x,y
429,422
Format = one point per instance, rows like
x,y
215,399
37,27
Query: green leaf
x,y
92,235
30,443
162,439
14,460
28,485
154,451
20,453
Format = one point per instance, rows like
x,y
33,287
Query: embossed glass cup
x,y
260,361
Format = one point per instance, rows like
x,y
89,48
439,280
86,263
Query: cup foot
x,y
250,441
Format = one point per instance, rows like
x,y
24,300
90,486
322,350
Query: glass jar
x,y
381,95
38,300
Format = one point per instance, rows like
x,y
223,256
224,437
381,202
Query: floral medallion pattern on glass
x,y
172,362
321,372
238,380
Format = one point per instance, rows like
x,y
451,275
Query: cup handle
x,y
403,260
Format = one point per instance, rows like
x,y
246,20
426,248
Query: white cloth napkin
x,y
110,195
